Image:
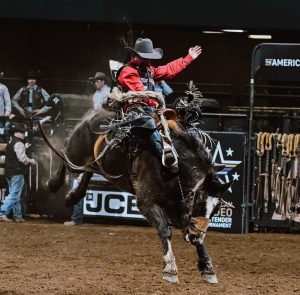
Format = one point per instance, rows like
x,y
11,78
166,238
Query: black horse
x,y
187,199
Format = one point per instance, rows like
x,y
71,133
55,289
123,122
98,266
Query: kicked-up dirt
x,y
40,257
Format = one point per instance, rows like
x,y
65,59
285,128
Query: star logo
x,y
229,164
229,152
235,176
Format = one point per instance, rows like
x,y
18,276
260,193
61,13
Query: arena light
x,y
267,37
212,32
234,30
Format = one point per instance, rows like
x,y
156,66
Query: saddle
x,y
127,134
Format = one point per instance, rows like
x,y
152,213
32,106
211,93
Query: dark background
x,y
70,40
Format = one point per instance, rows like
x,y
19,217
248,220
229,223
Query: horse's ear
x,y
170,114
224,187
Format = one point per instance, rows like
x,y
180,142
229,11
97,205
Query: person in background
x,y
5,102
77,215
31,99
15,169
5,108
100,81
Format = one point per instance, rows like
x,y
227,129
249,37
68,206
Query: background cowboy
x,y
31,99
100,81
15,169
140,75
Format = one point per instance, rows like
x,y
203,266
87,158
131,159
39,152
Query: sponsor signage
x,y
277,61
111,204
228,149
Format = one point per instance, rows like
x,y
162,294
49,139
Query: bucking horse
x,y
121,153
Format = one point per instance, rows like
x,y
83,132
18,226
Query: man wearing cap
x,y
15,168
31,99
100,81
140,75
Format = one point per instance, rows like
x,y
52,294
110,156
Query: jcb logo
x,y
114,204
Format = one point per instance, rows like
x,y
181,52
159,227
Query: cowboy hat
x,y
33,75
17,127
99,76
144,48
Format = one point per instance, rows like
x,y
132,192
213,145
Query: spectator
x,y
100,81
77,215
15,169
5,109
5,103
31,99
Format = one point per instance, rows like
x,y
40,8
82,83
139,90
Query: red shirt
x,y
129,77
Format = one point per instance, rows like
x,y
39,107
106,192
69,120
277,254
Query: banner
x,y
277,62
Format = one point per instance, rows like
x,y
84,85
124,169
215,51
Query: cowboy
x,y
100,81
31,99
15,169
140,75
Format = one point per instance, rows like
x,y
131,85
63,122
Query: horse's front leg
x,y
205,264
158,218
77,193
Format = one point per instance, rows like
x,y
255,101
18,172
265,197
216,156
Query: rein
x,y
64,157
198,224
191,195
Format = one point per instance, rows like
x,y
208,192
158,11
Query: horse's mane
x,y
95,117
191,140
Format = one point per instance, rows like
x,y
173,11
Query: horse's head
x,y
200,205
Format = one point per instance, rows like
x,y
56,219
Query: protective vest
x,y
12,165
38,100
146,76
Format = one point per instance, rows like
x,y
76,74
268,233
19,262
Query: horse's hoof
x,y
171,278
46,186
212,279
51,186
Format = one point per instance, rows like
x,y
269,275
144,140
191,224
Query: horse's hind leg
x,y
76,194
58,179
205,265
158,218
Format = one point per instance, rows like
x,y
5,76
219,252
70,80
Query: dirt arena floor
x,y
40,257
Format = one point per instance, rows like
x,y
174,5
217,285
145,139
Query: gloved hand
x,y
194,52
32,162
